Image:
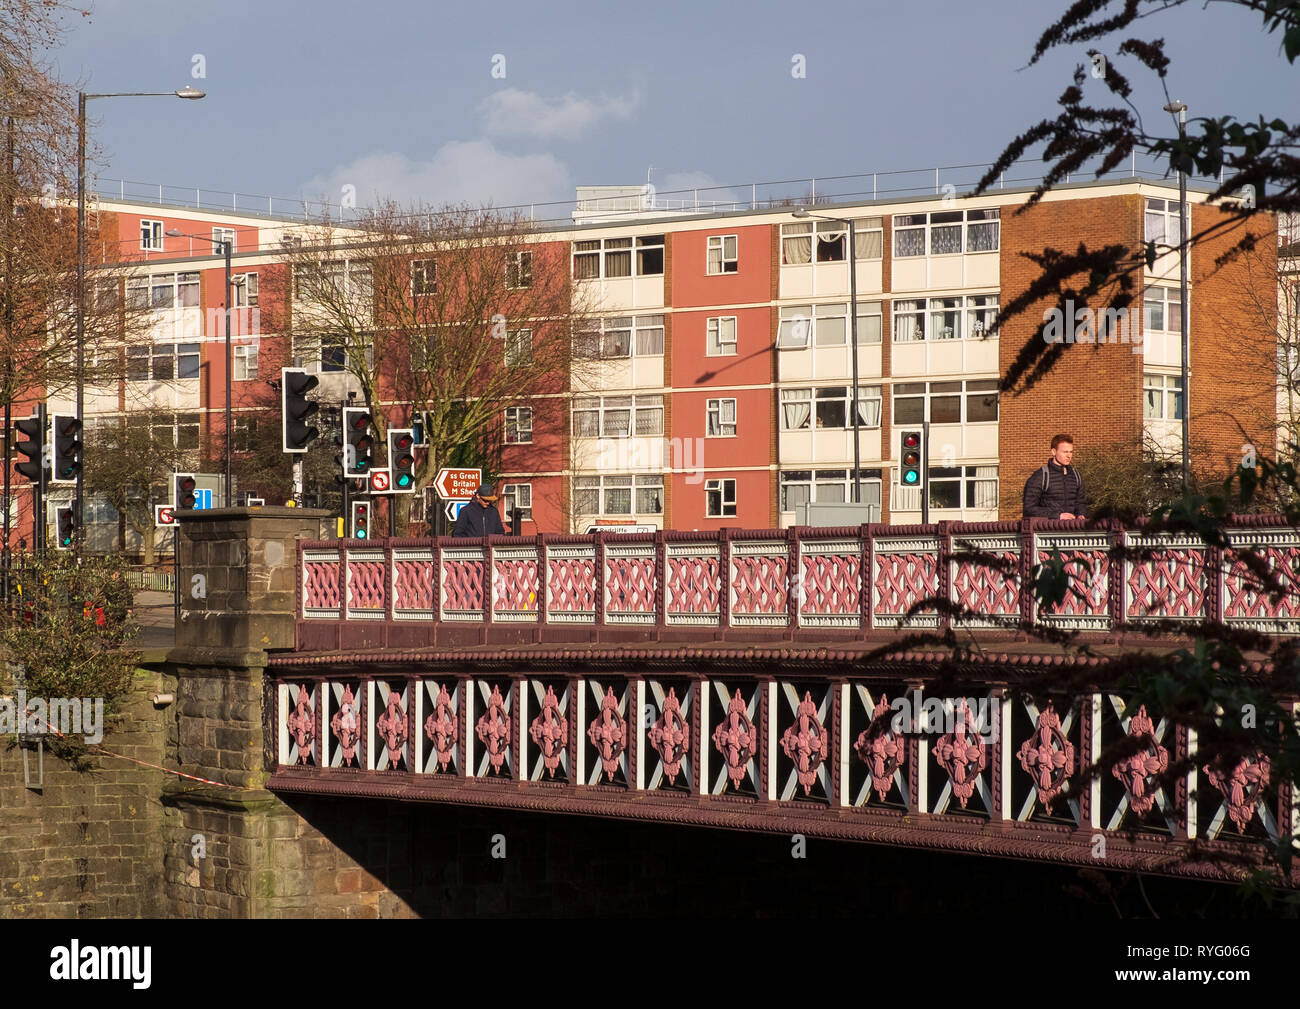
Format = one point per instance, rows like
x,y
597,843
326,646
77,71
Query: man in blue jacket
x,y
479,516
1055,490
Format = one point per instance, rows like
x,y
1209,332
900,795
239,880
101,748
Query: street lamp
x,y
802,213
226,246
190,93
1184,221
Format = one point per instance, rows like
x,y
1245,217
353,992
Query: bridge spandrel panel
x,y
413,584
516,584
1245,603
571,584
320,583
1086,605
1168,582
464,583
630,583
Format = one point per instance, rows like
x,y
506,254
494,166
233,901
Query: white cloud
x,y
461,171
524,113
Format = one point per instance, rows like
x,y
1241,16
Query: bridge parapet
x,y
800,583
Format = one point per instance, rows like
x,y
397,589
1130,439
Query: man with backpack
x,y
1055,490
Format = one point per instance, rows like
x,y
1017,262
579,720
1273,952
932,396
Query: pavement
x,y
155,613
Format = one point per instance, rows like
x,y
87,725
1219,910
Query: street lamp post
x,y
802,212
226,246
1184,221
189,93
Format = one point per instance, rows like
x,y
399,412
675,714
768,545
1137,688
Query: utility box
x,y
835,513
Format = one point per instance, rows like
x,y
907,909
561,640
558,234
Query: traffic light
x,y
360,520
65,523
358,442
33,449
184,485
909,472
66,438
295,408
401,459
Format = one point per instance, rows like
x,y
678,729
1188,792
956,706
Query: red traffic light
x,y
911,440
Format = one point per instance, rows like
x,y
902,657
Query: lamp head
x,y
800,212
193,94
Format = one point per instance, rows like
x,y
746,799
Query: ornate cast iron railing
x,y
793,583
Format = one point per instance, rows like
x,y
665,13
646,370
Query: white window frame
x,y
970,221
967,481
648,243
219,239
1167,211
969,389
155,240
826,477
726,498
715,413
519,271
242,355
1170,388
517,497
968,308
714,331
518,419
725,265
422,268
518,347
1167,296
244,290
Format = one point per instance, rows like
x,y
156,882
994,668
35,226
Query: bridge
x,y
790,681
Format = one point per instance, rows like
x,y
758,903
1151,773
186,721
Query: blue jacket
x,y
475,520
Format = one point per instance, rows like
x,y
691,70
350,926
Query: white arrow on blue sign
x,y
203,498
452,509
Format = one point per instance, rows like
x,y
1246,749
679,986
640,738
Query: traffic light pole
x,y
38,488
925,472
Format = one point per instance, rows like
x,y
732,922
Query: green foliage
x,y
68,628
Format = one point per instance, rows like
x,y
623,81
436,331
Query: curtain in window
x,y
796,413
945,239
986,486
982,237
868,244
910,242
715,258
796,249
869,412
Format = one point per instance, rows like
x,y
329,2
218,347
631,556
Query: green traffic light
x,y
910,476
403,480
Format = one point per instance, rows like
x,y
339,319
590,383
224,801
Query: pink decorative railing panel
x,y
805,581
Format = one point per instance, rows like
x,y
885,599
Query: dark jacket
x,y
475,520
1052,490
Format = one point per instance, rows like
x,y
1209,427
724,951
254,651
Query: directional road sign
x,y
457,484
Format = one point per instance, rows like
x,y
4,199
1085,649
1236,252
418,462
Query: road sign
x,y
379,481
457,484
452,509
164,515
202,498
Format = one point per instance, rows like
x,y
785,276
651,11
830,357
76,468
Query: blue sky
x,y
398,98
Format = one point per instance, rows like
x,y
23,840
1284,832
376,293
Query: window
x,y
612,257
618,495
106,295
187,431
162,362
650,256
517,498
828,485
349,278
947,232
869,326
244,286
831,408
151,235
222,235
1162,397
723,256
1163,223
1162,309
963,487
519,270
721,336
243,434
943,318
796,243
333,355
163,290
978,397
623,336
832,236
720,418
720,498
869,238
519,425
245,361
424,277
618,416
519,347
